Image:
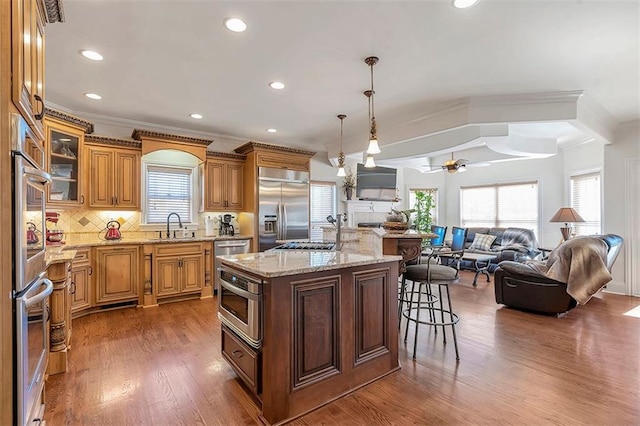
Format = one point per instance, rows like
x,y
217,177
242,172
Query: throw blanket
x,y
520,240
581,263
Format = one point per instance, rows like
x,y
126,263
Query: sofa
x,y
515,244
574,271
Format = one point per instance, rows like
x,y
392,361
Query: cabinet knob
x,y
237,354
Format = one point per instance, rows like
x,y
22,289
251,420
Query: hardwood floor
x,y
163,366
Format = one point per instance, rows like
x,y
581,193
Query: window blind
x,y
500,205
168,189
585,199
322,204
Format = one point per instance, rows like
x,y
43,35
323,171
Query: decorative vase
x,y
348,192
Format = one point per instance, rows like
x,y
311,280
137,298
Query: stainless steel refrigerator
x,y
283,197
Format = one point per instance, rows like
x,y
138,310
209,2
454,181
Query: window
x,y
585,199
500,205
322,204
170,183
434,194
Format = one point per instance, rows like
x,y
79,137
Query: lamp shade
x,y
566,215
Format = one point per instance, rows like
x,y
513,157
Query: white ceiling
x,y
166,59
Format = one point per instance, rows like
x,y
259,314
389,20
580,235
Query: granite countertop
x,y
57,255
280,263
93,239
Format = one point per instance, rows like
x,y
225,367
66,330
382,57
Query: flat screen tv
x,y
375,183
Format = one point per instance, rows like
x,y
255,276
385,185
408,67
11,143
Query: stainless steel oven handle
x,y
36,175
239,291
232,245
42,295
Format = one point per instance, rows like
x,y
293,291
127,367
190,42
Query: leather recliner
x,y
520,286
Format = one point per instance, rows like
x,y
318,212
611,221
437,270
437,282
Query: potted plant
x,y
349,183
422,208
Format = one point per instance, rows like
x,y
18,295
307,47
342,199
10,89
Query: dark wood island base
x,y
326,334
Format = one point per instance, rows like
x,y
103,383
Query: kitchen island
x,y
329,326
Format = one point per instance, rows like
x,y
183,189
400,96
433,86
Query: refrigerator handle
x,y
284,222
279,222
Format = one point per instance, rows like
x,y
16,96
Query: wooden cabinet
x,y
114,178
224,181
81,283
60,319
117,274
178,268
65,149
27,23
245,360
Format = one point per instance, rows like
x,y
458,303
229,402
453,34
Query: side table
x,y
480,263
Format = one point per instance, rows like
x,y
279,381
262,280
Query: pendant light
x,y
369,162
373,133
341,171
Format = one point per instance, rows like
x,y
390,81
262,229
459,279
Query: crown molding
x,y
252,145
106,140
68,118
54,11
229,155
139,134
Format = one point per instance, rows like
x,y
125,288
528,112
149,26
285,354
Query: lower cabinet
x,y
117,274
245,360
81,285
178,268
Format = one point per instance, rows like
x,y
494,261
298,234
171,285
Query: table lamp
x,y
566,215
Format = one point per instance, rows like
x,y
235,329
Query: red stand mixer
x,y
54,236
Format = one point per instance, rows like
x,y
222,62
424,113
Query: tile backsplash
x,y
86,221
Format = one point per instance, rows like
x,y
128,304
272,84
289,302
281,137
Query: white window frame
x,y
191,222
591,222
314,225
497,221
436,201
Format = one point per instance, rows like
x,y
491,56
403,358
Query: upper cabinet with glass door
x,y
64,144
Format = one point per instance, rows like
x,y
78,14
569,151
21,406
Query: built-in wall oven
x,y
240,305
31,288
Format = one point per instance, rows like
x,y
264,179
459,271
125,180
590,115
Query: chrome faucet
x,y
179,222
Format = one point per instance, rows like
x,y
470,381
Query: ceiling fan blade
x,y
478,164
436,169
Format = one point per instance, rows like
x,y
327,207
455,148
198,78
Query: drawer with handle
x,y
245,360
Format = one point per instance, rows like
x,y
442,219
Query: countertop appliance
x,y
54,236
227,247
240,305
113,230
283,197
226,228
31,288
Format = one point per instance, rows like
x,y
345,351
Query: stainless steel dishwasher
x,y
226,247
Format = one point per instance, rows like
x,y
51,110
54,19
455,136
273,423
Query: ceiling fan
x,y
453,166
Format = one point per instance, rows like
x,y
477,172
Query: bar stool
x,y
426,275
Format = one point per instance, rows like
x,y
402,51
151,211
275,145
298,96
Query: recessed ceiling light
x,y
93,96
195,115
272,130
463,4
90,54
236,25
276,85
